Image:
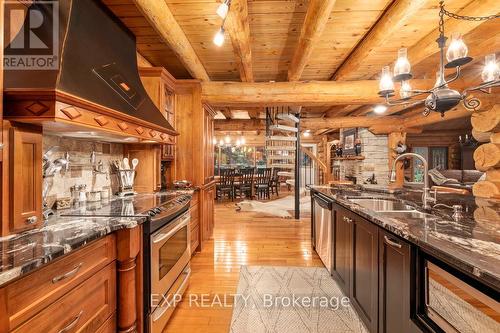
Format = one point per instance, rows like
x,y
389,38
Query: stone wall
x,y
80,170
375,150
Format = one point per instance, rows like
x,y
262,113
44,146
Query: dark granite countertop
x,y
25,252
472,245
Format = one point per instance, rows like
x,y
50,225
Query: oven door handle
x,y
163,308
162,236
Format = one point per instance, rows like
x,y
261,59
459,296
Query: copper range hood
x,y
96,88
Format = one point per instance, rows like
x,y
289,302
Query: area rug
x,y
275,208
291,300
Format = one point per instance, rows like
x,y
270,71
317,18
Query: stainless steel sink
x,y
408,214
382,205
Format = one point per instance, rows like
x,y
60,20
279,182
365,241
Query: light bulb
x,y
457,49
221,142
214,141
238,142
219,37
242,140
402,66
227,139
405,91
491,70
386,84
222,10
379,109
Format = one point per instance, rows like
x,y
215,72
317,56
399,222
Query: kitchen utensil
x,y
135,161
126,164
93,196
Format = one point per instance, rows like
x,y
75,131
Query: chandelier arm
x,y
457,75
482,87
402,102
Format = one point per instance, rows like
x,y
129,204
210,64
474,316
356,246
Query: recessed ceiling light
x,y
379,109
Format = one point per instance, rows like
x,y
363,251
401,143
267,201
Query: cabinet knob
x,y
32,220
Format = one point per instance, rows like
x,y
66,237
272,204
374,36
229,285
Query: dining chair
x,y
226,184
245,183
274,183
263,177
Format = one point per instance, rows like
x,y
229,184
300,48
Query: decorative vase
x,y
357,148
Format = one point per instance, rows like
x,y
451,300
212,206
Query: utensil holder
x,y
126,182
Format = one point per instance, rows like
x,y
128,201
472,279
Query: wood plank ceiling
x,y
357,40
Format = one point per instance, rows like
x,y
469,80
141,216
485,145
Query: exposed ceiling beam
x,y
318,12
163,22
390,22
239,31
347,122
339,110
304,93
239,125
427,46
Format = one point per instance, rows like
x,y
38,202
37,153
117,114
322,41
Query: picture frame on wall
x,y
349,141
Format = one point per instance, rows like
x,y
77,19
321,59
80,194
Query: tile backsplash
x,y
80,169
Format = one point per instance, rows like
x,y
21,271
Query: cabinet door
x,y
25,170
364,274
341,248
394,284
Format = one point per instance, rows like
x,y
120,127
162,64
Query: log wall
x,y
486,126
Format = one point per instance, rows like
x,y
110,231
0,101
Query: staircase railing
x,y
315,170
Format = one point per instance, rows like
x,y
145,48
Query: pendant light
x,y
223,9
219,37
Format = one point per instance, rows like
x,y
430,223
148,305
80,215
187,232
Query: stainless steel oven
x,y
169,267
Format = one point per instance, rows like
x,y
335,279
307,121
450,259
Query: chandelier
x,y
440,98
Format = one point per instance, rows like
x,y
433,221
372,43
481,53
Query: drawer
x,y
29,295
109,326
84,309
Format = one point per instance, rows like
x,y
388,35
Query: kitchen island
x,y
387,253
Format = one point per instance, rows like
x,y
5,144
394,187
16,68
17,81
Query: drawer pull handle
x,y
72,324
32,220
391,242
68,274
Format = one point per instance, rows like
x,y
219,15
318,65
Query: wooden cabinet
x,y
394,284
373,267
341,260
22,178
364,274
208,144
84,309
194,210
148,171
83,283
207,214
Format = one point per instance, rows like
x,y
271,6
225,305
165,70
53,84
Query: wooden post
x,y
486,126
128,244
392,142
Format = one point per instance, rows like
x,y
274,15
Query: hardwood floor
x,y
239,239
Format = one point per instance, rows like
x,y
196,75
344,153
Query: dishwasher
x,y
322,229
